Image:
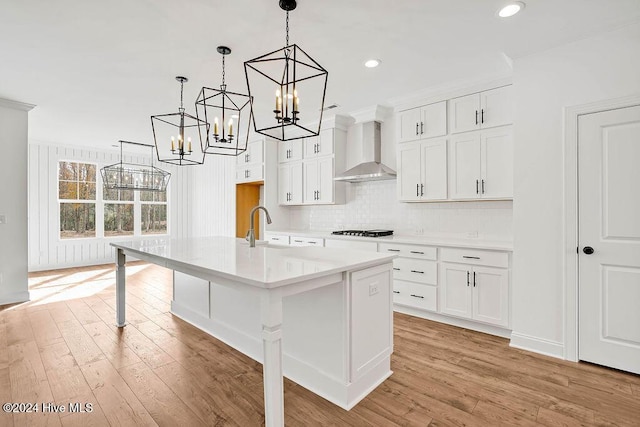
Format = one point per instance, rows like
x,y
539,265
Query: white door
x,y
409,125
295,177
409,172
284,184
325,143
464,166
609,238
496,107
434,170
325,180
497,163
455,289
434,120
310,174
464,113
491,295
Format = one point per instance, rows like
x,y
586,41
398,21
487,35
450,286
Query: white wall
x,y
13,202
602,67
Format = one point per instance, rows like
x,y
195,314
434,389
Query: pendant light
x,y
174,135
229,133
287,89
134,176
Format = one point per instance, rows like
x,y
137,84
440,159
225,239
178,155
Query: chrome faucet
x,y
251,235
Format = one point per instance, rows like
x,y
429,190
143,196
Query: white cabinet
x,y
422,171
318,180
475,292
290,151
276,238
482,110
290,183
481,165
305,241
423,122
250,164
321,145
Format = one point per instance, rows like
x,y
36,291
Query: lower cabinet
x,y
475,292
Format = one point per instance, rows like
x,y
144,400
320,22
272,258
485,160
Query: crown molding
x,y
16,105
375,113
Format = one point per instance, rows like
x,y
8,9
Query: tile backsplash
x,y
374,205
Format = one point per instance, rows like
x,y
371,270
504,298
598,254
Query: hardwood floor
x,y
63,347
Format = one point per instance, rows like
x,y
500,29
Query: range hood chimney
x,y
371,169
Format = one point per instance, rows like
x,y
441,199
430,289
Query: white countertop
x,y
264,266
447,241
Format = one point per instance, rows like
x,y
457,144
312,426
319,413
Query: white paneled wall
x,y
375,205
46,249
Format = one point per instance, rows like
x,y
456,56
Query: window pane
x,y
118,219
118,195
153,196
109,194
77,220
146,196
68,190
126,195
87,190
87,172
154,219
68,171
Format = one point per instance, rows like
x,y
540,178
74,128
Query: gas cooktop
x,y
363,233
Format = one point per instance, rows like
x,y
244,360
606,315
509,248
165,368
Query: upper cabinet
x,y
290,151
482,110
481,165
422,171
308,166
250,164
423,122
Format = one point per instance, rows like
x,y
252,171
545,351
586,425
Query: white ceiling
x,y
98,69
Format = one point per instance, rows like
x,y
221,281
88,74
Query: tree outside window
x,y
153,212
118,215
77,195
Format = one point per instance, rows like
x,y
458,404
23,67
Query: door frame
x,y
570,253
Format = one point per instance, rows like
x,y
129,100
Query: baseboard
x,y
15,297
537,345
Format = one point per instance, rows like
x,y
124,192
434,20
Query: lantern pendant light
x,y
134,176
293,74
229,133
173,135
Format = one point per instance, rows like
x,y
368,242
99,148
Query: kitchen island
x,y
320,316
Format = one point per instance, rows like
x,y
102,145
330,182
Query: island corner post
x,y
120,287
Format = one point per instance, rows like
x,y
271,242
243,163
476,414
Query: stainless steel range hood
x,y
371,169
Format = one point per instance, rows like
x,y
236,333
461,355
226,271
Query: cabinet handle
x,y
477,190
393,250
312,243
421,128
467,278
248,173
476,116
482,116
421,190
417,190
416,128
417,252
470,257
417,296
483,186
298,241
396,292
416,271
474,279
396,268
275,238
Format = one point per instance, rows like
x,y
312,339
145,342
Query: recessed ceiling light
x,y
511,9
372,63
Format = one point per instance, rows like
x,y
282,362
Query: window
x,y
77,197
153,212
118,213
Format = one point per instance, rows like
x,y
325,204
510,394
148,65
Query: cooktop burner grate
x,y
363,233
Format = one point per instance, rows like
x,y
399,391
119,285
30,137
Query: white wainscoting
x,y
201,203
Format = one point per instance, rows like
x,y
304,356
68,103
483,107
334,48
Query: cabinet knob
x,y
588,250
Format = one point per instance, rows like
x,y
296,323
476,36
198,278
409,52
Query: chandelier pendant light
x,y
229,134
134,176
292,73
173,135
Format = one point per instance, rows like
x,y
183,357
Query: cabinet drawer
x,y
415,295
409,251
305,241
415,270
351,244
277,239
475,257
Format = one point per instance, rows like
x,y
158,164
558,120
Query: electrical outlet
x,y
419,231
3,219
373,289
